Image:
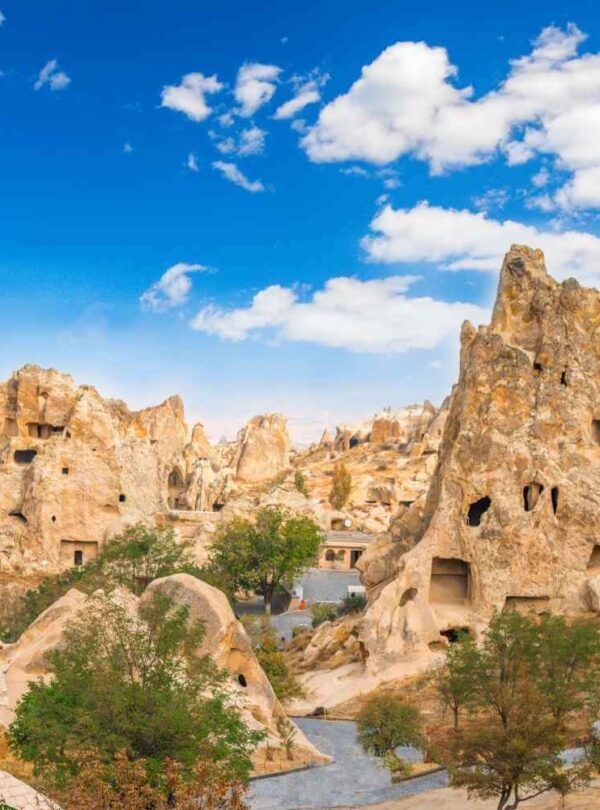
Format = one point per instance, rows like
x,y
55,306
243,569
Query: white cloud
x,y
2,18
490,199
406,103
373,316
250,142
192,162
50,74
172,289
127,148
234,175
189,97
463,240
255,86
541,178
307,92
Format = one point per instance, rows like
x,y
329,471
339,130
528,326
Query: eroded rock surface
x,y
510,519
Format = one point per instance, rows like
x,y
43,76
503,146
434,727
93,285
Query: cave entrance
x,y
477,510
554,498
24,456
77,552
528,604
450,581
176,489
454,634
531,495
596,430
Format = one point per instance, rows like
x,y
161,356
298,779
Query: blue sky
x,y
286,206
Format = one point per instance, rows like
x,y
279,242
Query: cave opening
x,y
531,495
477,510
554,498
24,456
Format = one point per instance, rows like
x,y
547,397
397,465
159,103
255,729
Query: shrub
x,y
323,612
352,604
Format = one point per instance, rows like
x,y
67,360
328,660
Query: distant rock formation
x,y
263,448
510,520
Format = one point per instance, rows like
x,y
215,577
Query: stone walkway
x,y
18,795
354,779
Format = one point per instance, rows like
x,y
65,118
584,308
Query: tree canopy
x,y
518,691
263,554
132,684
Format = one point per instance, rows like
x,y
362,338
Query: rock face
x,y
263,448
225,641
75,468
510,520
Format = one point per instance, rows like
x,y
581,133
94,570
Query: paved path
x,y
354,779
327,586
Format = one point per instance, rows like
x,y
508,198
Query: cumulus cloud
x,y
172,288
236,176
255,86
463,240
53,77
189,97
406,102
374,316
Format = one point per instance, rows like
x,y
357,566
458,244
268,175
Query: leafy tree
x,y
341,486
135,685
262,555
519,690
300,483
453,678
141,554
385,723
132,560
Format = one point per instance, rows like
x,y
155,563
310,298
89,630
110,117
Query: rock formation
x,y
263,448
510,520
225,641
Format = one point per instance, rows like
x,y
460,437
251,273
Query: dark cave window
x,y
477,510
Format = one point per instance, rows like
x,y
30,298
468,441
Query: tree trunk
x,y
268,599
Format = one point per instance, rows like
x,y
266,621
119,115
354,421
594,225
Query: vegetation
x,y
352,604
518,692
131,560
273,661
323,612
263,555
300,483
341,486
385,723
132,700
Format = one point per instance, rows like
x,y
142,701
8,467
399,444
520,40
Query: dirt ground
x,y
448,799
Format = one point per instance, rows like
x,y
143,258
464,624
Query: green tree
x,y
453,678
522,686
141,554
341,486
300,483
262,555
135,685
385,723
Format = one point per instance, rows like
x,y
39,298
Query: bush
x,y
323,612
352,604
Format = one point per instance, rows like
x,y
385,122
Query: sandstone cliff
x,y
510,517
